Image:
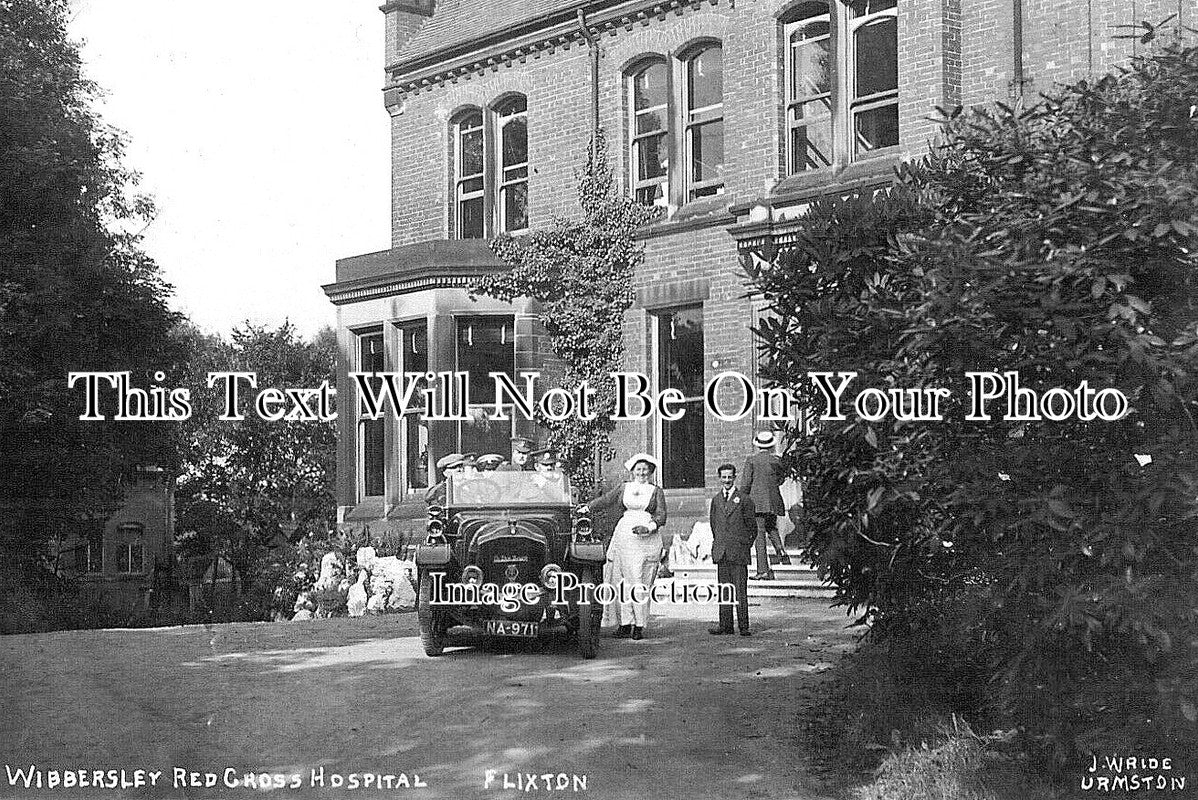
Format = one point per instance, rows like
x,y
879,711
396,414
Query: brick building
x,y
124,562
730,114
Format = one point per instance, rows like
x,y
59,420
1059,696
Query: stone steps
x,y
796,580
687,506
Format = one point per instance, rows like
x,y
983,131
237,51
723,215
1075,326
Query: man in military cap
x,y
544,460
522,449
489,462
452,464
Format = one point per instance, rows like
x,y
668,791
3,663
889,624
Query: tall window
x,y
485,345
841,78
874,46
490,169
470,166
371,446
512,117
414,358
89,553
131,552
649,90
679,337
704,120
672,164
809,88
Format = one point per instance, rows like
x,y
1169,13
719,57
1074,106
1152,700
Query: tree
x,y
76,292
250,489
1051,562
581,272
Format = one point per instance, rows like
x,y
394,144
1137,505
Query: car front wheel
x,y
589,617
432,621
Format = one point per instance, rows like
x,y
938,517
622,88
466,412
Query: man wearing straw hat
x,y
760,480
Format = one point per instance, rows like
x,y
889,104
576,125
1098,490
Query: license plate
x,y
499,627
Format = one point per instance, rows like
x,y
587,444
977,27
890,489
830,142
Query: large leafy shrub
x,y
1051,562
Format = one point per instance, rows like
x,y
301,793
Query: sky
x,y
258,128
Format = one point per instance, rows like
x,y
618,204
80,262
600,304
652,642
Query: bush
x,y
1051,560
956,765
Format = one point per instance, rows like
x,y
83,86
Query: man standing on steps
x,y
760,481
733,529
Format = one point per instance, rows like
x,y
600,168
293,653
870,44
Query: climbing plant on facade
x,y
580,271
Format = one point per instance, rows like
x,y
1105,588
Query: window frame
x,y
503,184
696,118
131,535
494,177
89,549
843,26
414,413
460,197
636,182
364,484
792,98
508,321
657,319
872,102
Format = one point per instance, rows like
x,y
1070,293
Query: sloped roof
x,y
459,21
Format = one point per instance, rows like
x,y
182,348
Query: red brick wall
x,y
1062,42
950,51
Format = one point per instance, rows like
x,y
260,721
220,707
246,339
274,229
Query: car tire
x,y
432,622
589,617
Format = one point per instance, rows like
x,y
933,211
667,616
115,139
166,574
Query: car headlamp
x,y
436,529
472,574
583,527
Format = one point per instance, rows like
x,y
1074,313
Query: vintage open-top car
x,y
509,555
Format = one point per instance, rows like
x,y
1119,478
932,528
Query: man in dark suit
x,y
760,481
733,530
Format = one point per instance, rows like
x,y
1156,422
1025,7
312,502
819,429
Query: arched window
x,y
512,121
469,180
703,118
841,79
873,30
490,169
808,87
649,132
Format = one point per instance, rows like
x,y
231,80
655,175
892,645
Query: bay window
x,y
413,339
485,345
371,446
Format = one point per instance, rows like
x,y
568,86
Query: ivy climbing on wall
x,y
580,271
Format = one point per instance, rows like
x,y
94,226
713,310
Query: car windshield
x,y
508,489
